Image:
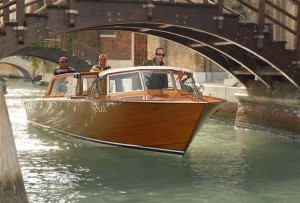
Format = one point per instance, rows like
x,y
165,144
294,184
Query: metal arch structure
x,y
231,60
243,50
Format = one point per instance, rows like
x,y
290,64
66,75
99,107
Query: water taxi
x,y
154,108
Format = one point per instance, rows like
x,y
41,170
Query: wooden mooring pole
x,y
12,187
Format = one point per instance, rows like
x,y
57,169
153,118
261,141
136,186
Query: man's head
x,y
159,56
102,60
63,62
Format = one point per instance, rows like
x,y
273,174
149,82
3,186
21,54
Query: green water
x,y
223,164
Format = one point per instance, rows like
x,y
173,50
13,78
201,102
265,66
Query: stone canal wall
x,y
258,109
12,187
226,112
268,116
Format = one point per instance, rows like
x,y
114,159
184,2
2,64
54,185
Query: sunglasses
x,y
159,54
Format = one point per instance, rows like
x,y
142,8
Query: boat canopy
x,y
137,68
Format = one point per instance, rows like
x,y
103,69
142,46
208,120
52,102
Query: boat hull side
x,y
166,126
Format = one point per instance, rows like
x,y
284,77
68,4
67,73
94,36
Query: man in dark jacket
x,y
63,67
158,60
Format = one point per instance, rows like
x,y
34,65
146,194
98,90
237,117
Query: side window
x,y
126,82
87,85
99,86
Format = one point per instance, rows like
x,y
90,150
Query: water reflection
x,y
223,164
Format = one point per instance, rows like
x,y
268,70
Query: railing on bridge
x,y
72,46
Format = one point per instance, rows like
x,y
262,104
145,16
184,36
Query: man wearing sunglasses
x,y
63,67
158,60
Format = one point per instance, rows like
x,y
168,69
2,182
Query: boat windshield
x,y
155,79
152,80
125,82
164,79
64,86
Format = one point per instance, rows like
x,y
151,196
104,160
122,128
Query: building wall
x,y
140,49
117,46
179,55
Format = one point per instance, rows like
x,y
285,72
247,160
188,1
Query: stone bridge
x,y
20,64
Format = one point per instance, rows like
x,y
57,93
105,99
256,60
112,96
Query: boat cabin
x,y
120,81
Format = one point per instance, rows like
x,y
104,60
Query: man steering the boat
x,y
158,60
157,80
63,67
102,64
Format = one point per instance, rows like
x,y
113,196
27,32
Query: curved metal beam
x,y
224,60
226,48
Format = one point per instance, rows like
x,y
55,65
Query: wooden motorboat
x,y
156,108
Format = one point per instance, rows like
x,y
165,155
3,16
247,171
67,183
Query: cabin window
x,y
126,82
99,86
65,86
158,80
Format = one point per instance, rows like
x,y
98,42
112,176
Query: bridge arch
x,y
53,55
20,64
236,47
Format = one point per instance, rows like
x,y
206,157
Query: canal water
x,y
223,164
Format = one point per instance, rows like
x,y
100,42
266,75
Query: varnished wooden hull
x,y
150,125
